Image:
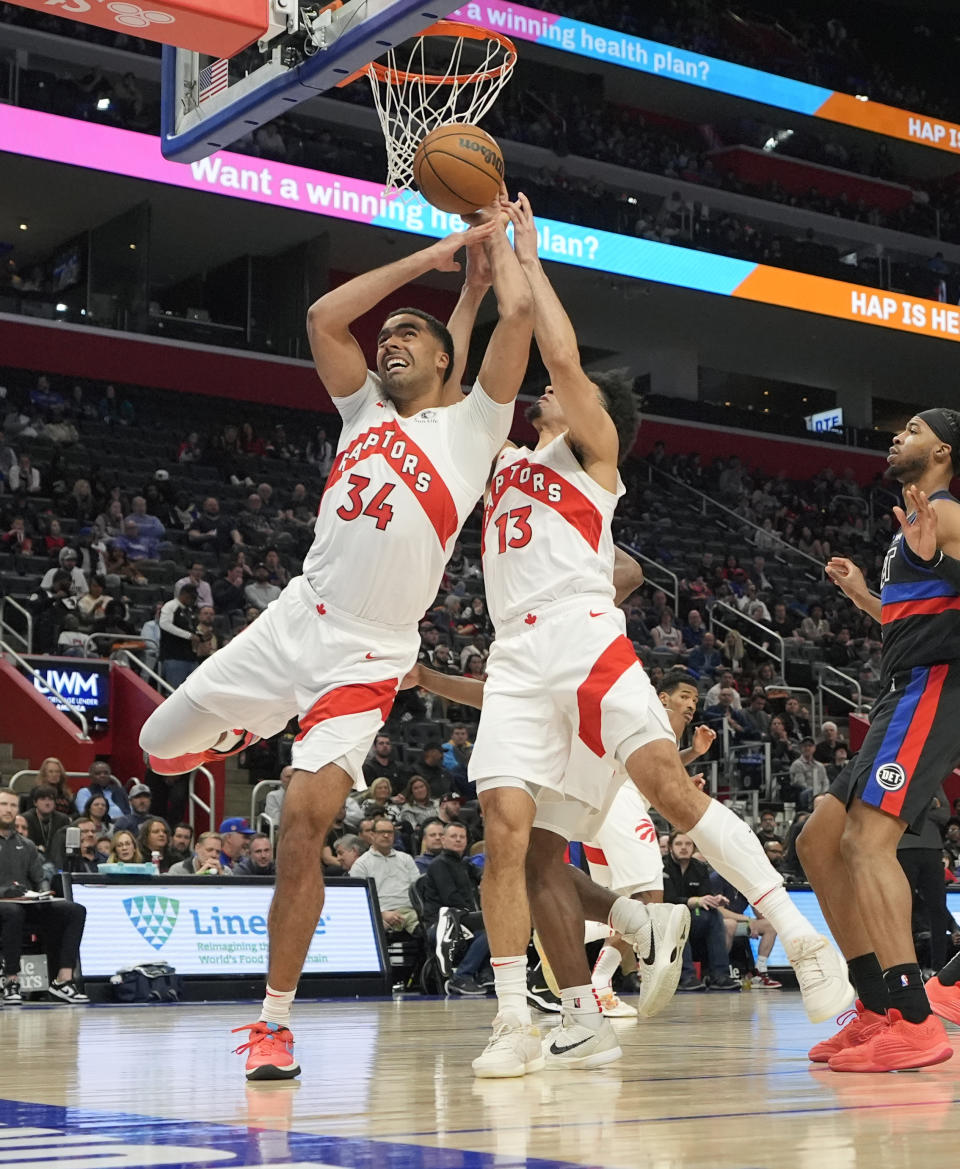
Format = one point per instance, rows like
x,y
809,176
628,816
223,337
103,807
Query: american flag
x,y
213,78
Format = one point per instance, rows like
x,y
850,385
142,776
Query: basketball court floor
x,y
717,1082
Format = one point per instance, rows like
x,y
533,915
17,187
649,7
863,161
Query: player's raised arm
x,y
590,426
508,351
476,285
337,356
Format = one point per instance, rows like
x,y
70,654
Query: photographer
x,y
58,924
178,636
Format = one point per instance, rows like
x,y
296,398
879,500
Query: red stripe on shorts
x,y
352,699
596,856
615,660
910,749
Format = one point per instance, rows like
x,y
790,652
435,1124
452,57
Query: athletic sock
x,y
733,849
596,931
905,987
510,983
607,964
761,965
950,974
631,917
582,1003
276,1006
867,977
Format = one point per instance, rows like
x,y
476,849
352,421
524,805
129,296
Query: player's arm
x,y
850,580
933,539
590,426
508,351
627,575
463,691
476,285
703,740
338,358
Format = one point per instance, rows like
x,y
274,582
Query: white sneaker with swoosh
x,y
513,1050
659,967
574,1046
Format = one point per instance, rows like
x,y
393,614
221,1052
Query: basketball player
x,y
335,645
562,677
848,846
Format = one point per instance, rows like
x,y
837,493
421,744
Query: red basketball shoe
x,y
181,764
896,1047
860,1024
944,1000
269,1052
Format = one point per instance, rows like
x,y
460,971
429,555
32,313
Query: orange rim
x,y
443,28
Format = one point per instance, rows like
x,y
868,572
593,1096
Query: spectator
x,y
273,805
757,712
92,605
139,548
53,774
951,840
704,659
67,562
154,842
98,810
139,797
202,587
181,845
178,647
808,778
84,860
101,782
841,757
210,530
207,642
17,540
229,593
694,630
430,767
206,860
418,807
713,694
261,592
58,924
349,849
725,714
24,478
773,850
687,882
124,849
365,831
431,844
382,762
148,526
260,861
667,638
43,820
377,800
828,743
796,719
393,874
337,829
456,755
452,883
768,828
235,833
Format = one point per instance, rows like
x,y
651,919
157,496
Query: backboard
x,y
208,103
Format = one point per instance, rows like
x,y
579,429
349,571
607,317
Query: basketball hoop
x,y
451,72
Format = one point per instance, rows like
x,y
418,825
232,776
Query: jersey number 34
x,y
378,509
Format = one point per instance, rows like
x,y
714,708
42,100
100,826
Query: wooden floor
x,y
717,1082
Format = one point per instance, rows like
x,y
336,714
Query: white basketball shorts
x,y
623,853
337,673
564,676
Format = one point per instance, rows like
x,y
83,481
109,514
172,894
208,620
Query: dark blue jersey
x,y
920,611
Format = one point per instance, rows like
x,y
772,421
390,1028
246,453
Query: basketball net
x,y
412,98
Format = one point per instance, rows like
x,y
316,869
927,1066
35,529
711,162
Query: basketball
x,y
458,168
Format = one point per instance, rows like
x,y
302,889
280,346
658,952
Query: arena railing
x,y
856,703
68,707
761,647
33,772
258,817
9,630
673,587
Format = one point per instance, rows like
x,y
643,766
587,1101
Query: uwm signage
x,y
74,682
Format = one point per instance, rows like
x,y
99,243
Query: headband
x,y
947,430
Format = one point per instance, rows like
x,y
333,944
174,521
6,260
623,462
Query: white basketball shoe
x,y
513,1050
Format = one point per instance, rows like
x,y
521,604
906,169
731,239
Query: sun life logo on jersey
x,y
891,777
427,416
153,917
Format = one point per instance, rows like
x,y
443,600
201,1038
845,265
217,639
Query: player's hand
x,y
703,739
921,535
846,576
411,679
524,228
495,211
699,781
443,251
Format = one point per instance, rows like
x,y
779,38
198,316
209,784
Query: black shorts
x,y
912,746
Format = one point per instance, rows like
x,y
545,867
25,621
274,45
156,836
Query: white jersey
x,y
546,531
396,499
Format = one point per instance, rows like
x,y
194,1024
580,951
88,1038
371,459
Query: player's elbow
x,y
563,364
517,307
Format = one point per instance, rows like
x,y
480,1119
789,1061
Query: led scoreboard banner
x,y
79,682
236,176
800,97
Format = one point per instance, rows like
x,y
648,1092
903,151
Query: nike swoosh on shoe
x,y
554,1050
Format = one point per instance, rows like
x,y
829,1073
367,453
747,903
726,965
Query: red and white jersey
x,y
396,499
546,531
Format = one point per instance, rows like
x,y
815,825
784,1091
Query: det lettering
x,y
936,133
215,922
